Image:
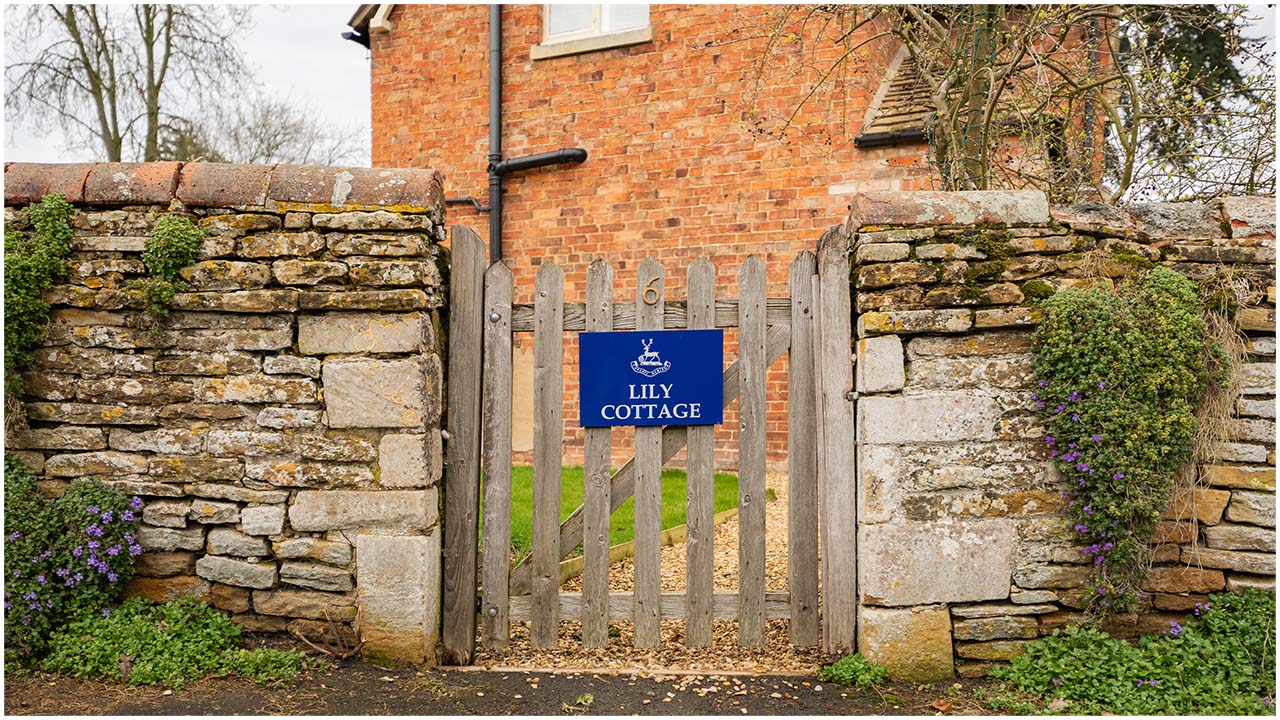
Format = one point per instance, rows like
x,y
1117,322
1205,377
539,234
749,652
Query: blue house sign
x,y
651,377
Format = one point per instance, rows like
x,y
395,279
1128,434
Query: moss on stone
x,y
1037,290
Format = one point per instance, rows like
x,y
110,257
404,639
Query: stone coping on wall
x,y
273,188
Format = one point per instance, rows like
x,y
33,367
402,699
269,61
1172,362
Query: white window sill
x,y
591,44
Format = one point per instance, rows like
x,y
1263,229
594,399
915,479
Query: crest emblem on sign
x,y
649,363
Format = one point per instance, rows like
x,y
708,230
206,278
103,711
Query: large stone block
x,y
225,541
164,589
377,245
915,563
1003,207
403,511
1253,508
282,244
333,553
306,604
67,437
1255,563
210,512
241,301
227,275
914,321
262,520
284,418
107,462
316,577
336,333
172,441
1240,537
1245,478
1184,580
239,573
167,513
256,389
996,628
399,590
170,539
336,447
914,644
936,417
307,272
1201,504
409,460
880,366
291,472
165,564
376,393
1258,378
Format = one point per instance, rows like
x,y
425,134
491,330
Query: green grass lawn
x,y
621,525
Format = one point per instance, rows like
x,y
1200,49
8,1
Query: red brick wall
x,y
675,170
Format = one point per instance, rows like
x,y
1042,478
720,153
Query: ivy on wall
x,y
173,245
1120,374
35,245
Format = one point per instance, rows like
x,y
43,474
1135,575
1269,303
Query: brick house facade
x,y
677,167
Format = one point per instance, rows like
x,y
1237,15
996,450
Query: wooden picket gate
x,y
813,324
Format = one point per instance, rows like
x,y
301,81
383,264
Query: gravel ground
x,y
776,656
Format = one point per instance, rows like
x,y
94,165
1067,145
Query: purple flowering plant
x,y
1119,376
59,563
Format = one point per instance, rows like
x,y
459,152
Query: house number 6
x,y
649,288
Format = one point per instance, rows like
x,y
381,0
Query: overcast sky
x,y
297,51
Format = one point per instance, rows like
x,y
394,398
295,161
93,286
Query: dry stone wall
x,y
964,551
283,422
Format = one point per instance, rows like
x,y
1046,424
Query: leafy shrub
x,y
173,245
1120,375
144,643
65,558
1222,662
854,670
32,260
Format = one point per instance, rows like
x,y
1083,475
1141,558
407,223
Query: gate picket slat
x,y
548,436
837,476
622,483
700,563
596,459
496,395
462,474
802,457
751,455
648,490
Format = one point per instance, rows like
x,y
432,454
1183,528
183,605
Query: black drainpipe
x,y
495,132
497,166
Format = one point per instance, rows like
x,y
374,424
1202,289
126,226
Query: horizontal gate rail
x,y
675,315
724,606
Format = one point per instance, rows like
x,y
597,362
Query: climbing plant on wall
x,y
173,245
35,244
1120,374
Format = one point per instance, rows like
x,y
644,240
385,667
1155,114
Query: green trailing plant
x,y
1120,375
144,643
173,245
64,558
35,245
854,670
1219,662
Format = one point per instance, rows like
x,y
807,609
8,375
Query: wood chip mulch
x,y
777,655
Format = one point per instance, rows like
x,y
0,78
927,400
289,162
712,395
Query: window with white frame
x,y
571,29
